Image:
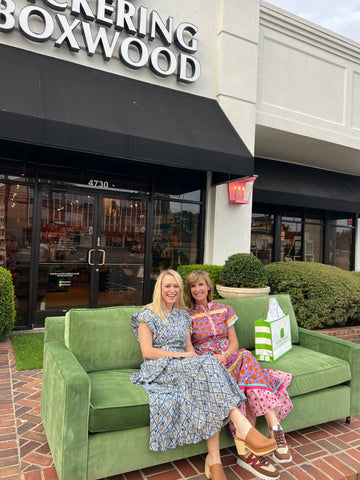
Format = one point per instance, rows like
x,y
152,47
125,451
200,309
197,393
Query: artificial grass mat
x,y
28,350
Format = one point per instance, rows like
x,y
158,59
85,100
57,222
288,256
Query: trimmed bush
x,y
7,303
323,296
243,270
213,271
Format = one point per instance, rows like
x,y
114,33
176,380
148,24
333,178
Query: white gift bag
x,y
272,333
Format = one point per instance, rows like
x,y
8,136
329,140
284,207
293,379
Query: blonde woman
x,y
189,396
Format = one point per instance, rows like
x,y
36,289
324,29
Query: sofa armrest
x,y
65,404
339,348
54,329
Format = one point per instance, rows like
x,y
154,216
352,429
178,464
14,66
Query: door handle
x,y
89,256
103,256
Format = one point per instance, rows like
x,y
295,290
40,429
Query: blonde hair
x,y
158,304
193,277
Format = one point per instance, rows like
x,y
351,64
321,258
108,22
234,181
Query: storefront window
x,y
291,245
175,235
92,220
313,248
16,213
262,236
341,235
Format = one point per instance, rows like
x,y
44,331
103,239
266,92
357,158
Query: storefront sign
x,y
116,27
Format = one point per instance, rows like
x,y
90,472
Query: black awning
x,y
294,185
50,102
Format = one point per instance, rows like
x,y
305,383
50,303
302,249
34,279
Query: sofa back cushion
x,y
249,309
102,338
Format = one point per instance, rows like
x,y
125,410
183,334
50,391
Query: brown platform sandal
x,y
215,472
257,443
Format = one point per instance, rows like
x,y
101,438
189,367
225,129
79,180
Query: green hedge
x,y
7,303
213,271
323,296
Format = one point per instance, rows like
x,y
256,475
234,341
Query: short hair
x,y
193,277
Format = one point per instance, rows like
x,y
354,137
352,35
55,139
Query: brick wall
x,y
346,333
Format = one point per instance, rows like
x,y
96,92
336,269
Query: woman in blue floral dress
x,y
189,396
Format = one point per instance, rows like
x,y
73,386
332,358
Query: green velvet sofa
x,y
97,421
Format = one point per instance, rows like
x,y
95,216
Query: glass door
x,y
121,247
66,237
91,251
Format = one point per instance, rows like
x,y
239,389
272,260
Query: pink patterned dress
x,y
265,389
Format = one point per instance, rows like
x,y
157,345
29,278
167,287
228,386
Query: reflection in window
x,y
313,240
262,236
192,196
291,245
16,212
175,234
123,234
341,235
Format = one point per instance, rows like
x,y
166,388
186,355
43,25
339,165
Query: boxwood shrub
x,y
243,270
213,271
323,296
7,303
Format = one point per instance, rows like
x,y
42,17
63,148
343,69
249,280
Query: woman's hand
x,y
189,354
184,354
189,349
151,353
222,358
232,347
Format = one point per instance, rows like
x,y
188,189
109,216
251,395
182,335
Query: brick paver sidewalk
x,y
327,451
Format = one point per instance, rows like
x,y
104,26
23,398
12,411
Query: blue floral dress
x,y
190,397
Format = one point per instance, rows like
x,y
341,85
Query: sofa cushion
x,y
102,338
116,403
311,370
249,309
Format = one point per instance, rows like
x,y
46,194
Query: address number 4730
x,y
99,183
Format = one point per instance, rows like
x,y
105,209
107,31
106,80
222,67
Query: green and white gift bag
x,y
272,333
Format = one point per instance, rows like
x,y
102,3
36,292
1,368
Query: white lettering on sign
x,y
7,9
25,26
114,27
98,183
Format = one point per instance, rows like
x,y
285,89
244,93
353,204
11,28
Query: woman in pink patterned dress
x,y
213,333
